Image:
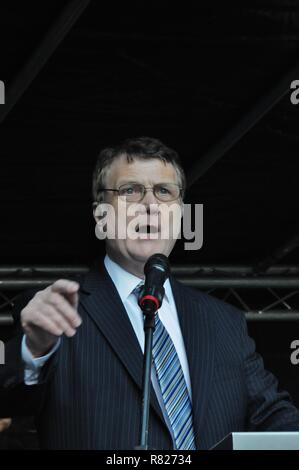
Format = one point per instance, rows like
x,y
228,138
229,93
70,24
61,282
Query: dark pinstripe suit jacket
x,y
88,396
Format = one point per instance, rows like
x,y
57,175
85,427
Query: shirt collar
x,y
126,282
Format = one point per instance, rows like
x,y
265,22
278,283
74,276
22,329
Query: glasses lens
x,y
131,192
167,192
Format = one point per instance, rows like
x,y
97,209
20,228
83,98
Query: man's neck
x,y
137,269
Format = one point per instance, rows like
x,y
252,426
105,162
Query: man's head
x,y
144,172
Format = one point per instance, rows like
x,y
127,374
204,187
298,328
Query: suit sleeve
x,y
269,408
17,398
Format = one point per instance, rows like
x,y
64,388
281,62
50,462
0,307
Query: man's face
x,y
136,251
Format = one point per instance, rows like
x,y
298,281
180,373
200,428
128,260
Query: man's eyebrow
x,y
126,181
121,182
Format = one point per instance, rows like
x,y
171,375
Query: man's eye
x,y
163,190
128,190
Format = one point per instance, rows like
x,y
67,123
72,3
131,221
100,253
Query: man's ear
x,y
95,210
182,208
100,219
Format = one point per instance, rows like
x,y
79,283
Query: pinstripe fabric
x,y
91,391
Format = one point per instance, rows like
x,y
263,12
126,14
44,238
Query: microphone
x,y
156,272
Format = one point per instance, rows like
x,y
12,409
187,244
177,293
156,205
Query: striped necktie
x,y
173,385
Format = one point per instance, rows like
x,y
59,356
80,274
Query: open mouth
x,y
147,229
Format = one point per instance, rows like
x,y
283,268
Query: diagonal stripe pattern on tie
x,y
173,385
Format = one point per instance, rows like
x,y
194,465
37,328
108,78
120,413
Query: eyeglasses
x,y
134,192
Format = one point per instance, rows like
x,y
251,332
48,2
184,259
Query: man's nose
x,y
149,198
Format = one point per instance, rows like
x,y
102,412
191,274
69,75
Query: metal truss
x,y
273,295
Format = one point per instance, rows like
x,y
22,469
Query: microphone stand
x,y
156,271
149,327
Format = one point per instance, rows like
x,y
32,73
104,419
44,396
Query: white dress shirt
x,y
33,365
125,283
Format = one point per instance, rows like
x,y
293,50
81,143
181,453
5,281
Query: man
x,y
78,359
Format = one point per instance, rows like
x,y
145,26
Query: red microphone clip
x,y
149,297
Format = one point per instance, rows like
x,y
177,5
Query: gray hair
x,y
140,148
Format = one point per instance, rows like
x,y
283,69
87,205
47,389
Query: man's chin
x,y
143,249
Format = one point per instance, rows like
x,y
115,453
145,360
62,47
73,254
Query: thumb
x,y
74,299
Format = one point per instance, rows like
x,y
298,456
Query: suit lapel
x,y
105,307
199,344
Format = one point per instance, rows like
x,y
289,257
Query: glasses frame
x,y
145,189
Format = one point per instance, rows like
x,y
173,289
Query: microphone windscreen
x,y
157,261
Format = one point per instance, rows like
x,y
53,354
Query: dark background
x,y
185,74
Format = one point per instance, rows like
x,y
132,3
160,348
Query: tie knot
x,y
137,290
